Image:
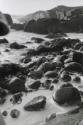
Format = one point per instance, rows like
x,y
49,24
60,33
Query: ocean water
x,y
29,118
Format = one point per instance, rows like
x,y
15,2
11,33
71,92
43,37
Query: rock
x,y
25,60
78,57
35,85
51,74
47,84
16,85
66,85
55,80
9,69
77,79
67,95
7,50
15,113
66,78
36,104
15,45
3,93
81,49
74,67
51,87
4,28
9,19
2,101
3,41
36,74
78,45
4,113
37,40
50,117
17,98
47,66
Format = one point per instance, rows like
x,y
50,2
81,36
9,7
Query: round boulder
x,y
67,95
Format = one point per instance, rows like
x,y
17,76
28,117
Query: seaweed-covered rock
x,y
36,104
17,46
15,113
74,67
67,95
35,85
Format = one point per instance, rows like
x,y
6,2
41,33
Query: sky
x,y
23,7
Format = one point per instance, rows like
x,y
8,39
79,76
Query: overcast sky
x,y
23,7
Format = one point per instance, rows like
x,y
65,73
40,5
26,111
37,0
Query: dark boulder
x,y
5,113
3,41
67,95
17,98
17,46
9,69
16,85
4,28
15,113
74,67
78,57
34,85
36,104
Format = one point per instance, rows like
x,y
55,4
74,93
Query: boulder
x,y
51,74
4,28
15,45
47,66
77,79
51,117
37,40
36,104
78,57
16,85
35,85
5,113
9,69
74,67
66,77
78,45
3,41
36,74
67,95
15,113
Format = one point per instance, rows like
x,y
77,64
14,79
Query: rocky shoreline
x,y
50,71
